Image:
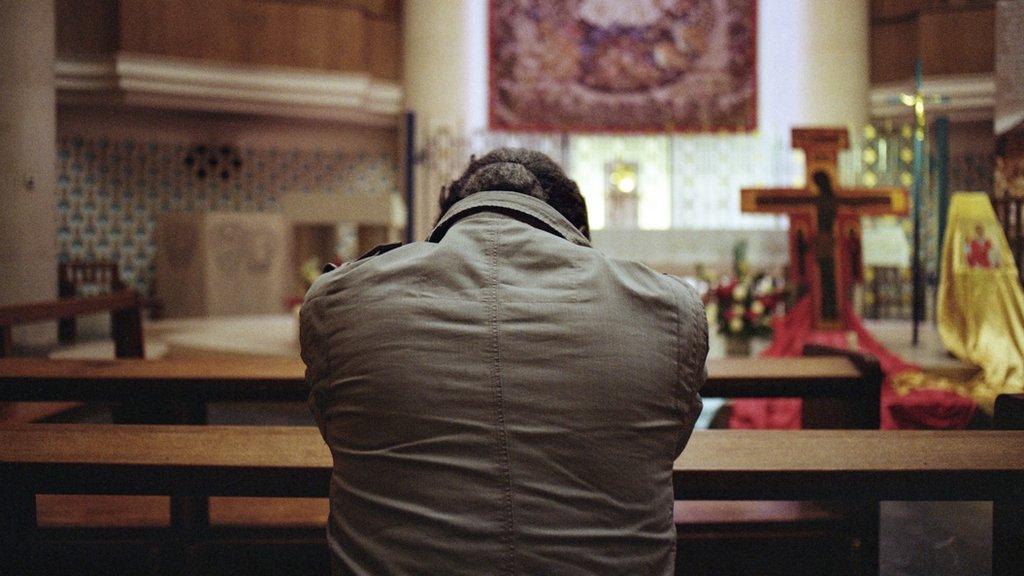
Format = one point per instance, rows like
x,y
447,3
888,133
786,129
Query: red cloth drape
x,y
920,409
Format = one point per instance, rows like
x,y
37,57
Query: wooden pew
x,y
294,462
852,402
200,380
853,412
125,318
185,386
1008,516
1009,414
189,384
125,323
182,386
74,278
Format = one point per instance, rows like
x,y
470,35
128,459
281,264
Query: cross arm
x,y
874,201
774,200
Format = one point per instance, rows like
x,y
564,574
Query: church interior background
x,y
219,154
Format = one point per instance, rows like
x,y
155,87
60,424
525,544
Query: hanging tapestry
x,y
613,66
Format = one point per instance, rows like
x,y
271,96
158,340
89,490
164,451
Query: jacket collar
x,y
539,214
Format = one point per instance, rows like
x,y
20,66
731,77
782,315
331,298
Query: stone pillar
x,y
28,183
814,67
445,68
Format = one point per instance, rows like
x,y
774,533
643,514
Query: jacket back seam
x,y
499,401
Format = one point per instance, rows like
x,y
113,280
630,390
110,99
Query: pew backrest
x,y
717,464
867,413
283,379
125,319
1009,412
189,461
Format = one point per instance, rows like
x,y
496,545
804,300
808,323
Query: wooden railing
x,y
1010,212
125,319
197,381
74,278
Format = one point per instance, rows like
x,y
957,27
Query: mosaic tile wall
x,y
971,172
886,151
708,172
886,154
110,192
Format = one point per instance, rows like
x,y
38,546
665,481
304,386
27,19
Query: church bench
x,y
1009,413
202,380
717,465
182,386
125,318
1008,517
124,307
188,385
850,402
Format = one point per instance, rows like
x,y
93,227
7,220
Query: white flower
x,y
736,325
739,292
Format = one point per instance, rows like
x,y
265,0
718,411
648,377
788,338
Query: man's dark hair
x,y
525,171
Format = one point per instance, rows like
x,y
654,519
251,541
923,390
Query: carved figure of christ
x,y
824,228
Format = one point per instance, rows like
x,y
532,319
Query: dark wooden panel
x,y
950,36
958,42
893,50
386,9
87,27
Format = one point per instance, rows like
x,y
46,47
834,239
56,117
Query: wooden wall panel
x,y
909,8
87,26
950,36
308,36
331,35
958,42
381,9
384,47
893,50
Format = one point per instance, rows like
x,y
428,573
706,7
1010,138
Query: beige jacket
x,y
502,399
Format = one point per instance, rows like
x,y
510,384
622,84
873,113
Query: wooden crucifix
x,y
824,222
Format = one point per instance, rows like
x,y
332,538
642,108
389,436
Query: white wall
x,y
28,184
681,251
813,63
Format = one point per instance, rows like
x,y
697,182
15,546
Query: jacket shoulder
x,y
381,257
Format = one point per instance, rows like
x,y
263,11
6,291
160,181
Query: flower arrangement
x,y
310,270
745,306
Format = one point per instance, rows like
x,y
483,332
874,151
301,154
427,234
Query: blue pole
x,y
410,174
917,304
941,141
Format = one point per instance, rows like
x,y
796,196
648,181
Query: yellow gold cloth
x,y
980,303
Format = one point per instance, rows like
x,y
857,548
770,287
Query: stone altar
x,y
223,263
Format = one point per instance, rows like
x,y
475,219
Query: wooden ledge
x,y
16,314
717,465
276,379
